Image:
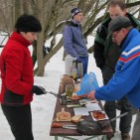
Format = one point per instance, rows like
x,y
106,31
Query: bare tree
x,y
53,15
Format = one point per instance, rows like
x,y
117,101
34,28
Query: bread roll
x,y
64,81
76,118
63,115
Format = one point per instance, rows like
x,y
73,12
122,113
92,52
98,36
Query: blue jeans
x,y
85,64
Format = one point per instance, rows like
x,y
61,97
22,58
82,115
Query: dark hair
x,y
120,3
28,23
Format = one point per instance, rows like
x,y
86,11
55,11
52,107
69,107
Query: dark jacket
x,y
16,72
126,80
106,52
74,41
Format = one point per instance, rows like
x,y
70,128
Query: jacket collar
x,y
135,22
75,22
16,36
132,33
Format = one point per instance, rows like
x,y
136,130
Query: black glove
x,y
38,90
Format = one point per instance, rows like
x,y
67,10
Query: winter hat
x,y
28,23
75,11
118,23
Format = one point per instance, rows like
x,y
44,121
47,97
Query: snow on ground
x,y
43,106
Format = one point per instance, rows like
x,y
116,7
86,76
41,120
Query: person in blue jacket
x,y
126,79
73,39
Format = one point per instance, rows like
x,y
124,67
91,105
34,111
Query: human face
x,y
78,17
115,11
118,36
30,36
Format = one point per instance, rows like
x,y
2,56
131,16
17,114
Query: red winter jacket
x,y
16,72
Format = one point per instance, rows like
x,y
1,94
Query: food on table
x,y
63,115
98,114
57,125
76,118
64,81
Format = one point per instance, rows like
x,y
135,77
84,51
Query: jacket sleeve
x,y
68,41
122,82
15,69
98,46
98,54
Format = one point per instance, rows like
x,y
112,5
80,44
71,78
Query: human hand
x,y
38,90
91,95
77,59
83,96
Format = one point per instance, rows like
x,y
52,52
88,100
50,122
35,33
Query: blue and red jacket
x,y
16,72
126,80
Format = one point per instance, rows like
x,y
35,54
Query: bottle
x,y
69,90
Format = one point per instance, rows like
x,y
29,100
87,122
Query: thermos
x,y
77,69
73,68
68,65
80,69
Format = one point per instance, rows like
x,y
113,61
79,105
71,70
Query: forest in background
x,y
53,15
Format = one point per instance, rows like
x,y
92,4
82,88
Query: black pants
x,y
20,121
110,106
125,122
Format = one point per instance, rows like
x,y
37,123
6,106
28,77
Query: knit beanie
x,y
75,11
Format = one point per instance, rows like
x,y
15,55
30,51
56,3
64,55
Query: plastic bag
x,y
89,83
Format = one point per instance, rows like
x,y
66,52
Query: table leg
x,y
55,137
92,137
106,138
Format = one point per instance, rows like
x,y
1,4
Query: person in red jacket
x,y
17,77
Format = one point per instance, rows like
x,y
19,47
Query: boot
x,y
125,136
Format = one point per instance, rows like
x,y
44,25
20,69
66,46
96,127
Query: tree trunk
x,y
47,58
50,14
40,40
